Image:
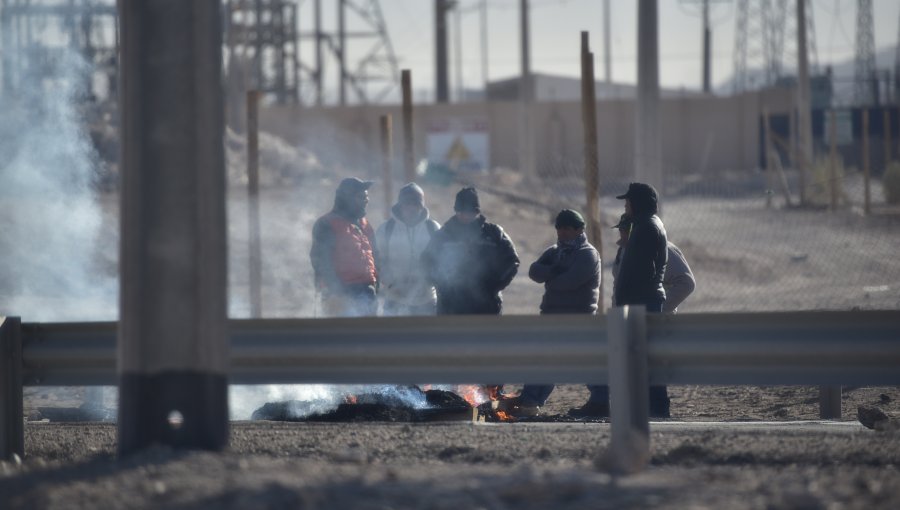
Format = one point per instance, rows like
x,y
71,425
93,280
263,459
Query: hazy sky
x,y
555,27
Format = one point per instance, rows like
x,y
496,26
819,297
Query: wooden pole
x,y
767,147
253,203
12,431
409,159
804,104
591,153
172,339
887,138
867,204
832,162
387,159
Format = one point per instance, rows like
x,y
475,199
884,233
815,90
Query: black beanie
x,y
569,218
467,201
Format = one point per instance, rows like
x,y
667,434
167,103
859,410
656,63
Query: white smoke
x,y
316,398
50,219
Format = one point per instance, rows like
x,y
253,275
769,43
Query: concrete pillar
x,y
172,338
647,158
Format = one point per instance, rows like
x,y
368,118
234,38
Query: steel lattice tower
x,y
865,90
766,42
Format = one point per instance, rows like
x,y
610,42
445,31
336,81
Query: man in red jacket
x,y
343,254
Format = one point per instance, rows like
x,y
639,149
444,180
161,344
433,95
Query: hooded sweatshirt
x,y
400,246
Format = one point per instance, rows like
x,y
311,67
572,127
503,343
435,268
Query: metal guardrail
x,y
809,348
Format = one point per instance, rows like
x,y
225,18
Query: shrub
x,y
891,183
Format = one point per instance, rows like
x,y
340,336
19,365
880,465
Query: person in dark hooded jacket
x,y
469,260
644,256
343,254
642,267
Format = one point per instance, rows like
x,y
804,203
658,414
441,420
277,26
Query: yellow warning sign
x,y
458,153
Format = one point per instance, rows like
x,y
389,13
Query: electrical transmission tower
x,y
865,90
359,50
37,34
765,47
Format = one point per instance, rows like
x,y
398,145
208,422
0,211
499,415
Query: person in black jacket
x,y
469,260
642,265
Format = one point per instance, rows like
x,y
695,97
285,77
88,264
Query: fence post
x,y
629,388
830,402
253,204
591,153
387,162
12,431
867,204
409,159
832,162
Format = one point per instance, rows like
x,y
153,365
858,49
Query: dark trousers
x,y
537,394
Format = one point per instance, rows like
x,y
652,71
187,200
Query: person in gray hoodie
x,y
570,272
405,288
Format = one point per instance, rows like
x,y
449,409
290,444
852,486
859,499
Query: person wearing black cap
x,y
469,260
343,254
404,286
642,266
570,272
678,280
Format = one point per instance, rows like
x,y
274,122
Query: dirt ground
x,y
745,257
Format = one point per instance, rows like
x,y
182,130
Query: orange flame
x,y
503,416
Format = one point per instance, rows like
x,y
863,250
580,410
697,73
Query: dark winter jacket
x,y
469,264
643,262
570,273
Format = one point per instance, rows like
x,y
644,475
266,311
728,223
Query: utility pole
x,y
458,52
607,42
707,42
647,160
442,82
865,81
342,50
319,60
526,96
804,106
707,65
484,46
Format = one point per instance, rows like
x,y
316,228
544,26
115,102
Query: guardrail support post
x,y
629,389
830,402
12,431
172,343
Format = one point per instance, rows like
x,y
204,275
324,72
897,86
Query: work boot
x,y
591,410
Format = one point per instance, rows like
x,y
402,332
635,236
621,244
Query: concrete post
x,y
647,160
832,162
12,431
172,338
629,389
